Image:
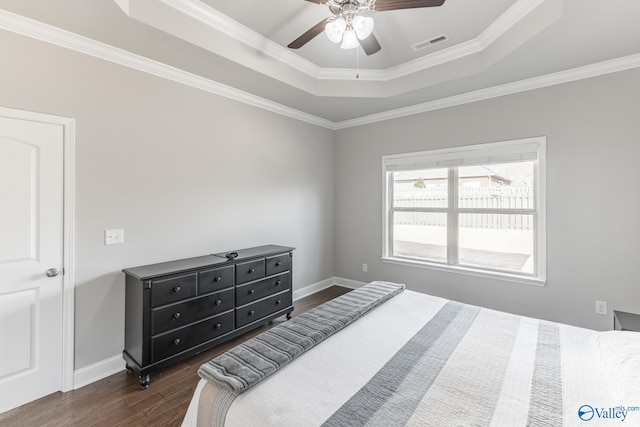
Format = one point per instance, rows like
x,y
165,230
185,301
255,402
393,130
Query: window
x,y
476,209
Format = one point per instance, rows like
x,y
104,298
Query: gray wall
x,y
593,205
187,173
184,172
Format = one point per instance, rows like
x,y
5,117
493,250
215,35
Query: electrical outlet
x,y
601,307
365,267
111,237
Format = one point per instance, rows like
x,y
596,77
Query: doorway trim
x,y
68,278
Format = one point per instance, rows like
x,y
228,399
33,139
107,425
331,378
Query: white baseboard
x,y
348,283
324,284
313,288
97,371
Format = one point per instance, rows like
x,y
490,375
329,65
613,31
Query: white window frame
x,y
480,154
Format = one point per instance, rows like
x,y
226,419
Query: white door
x,y
31,245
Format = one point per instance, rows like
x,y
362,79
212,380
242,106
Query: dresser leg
x,y
129,369
144,382
289,315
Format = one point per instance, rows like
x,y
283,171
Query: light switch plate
x,y
112,237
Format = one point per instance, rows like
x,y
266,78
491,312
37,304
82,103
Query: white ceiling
x,y
493,47
284,20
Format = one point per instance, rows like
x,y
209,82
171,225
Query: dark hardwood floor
x,y
118,401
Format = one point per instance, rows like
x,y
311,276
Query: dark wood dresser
x,y
176,309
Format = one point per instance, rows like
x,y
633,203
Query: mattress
x,y
420,360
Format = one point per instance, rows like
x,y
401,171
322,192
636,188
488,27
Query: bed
x,y
385,356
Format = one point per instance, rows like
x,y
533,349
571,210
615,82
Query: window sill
x,y
514,278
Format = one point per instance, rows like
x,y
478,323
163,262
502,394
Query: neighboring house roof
x,y
470,172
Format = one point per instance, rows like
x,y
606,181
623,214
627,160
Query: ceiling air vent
x,y
427,43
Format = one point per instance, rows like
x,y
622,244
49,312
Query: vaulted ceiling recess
x,y
491,31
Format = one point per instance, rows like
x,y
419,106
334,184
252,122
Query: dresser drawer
x,y
278,264
180,314
174,342
255,311
249,271
176,309
213,280
165,291
257,290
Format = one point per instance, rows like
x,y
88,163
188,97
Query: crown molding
x,y
211,17
553,79
483,41
66,39
508,19
199,24
53,35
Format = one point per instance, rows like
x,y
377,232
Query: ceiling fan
x,y
350,27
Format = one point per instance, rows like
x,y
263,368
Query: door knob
x,y
53,272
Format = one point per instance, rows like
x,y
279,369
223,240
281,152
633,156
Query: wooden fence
x,y
503,197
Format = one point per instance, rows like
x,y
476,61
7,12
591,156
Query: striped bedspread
x,y
254,360
419,360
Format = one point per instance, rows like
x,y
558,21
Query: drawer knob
x,y
252,312
176,315
217,326
217,279
177,289
252,291
218,301
278,302
252,270
278,282
176,341
278,263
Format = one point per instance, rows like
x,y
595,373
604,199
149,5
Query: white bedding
x,y
492,375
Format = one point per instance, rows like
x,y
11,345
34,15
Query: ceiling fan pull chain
x,y
357,63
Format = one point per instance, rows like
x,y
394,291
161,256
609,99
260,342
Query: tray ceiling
x,y
493,47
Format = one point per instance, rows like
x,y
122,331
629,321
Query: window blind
x,y
483,154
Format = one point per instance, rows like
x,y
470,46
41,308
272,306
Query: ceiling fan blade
x,y
318,1
382,5
308,36
370,45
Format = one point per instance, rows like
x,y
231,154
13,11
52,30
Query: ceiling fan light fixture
x,y
350,40
363,26
347,25
335,29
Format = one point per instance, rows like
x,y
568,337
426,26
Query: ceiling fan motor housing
x,y
349,7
